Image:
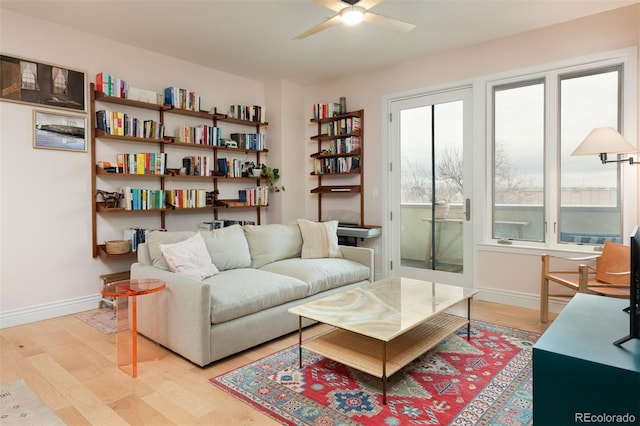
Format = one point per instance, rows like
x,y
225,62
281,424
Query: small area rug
x,y
487,381
103,319
20,406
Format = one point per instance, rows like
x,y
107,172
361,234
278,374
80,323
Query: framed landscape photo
x,y
59,131
30,82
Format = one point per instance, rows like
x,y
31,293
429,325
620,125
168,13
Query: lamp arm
x,y
603,158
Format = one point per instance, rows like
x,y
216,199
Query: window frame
x,y
552,74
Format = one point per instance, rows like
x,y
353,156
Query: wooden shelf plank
x,y
336,189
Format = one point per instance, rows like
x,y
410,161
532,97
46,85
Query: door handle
x,y
467,209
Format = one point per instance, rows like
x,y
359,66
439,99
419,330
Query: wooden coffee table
x,y
383,326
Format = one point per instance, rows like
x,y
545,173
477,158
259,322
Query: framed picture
x,y
30,82
59,131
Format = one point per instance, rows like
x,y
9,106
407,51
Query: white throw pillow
x,y
319,239
189,258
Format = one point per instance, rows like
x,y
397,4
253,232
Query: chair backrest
x,y
615,260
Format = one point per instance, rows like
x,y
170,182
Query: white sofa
x,y
262,275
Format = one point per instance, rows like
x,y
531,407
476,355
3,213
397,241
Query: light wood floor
x,y
71,366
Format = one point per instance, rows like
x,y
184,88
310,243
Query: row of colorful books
x,y
197,165
336,165
343,126
246,112
326,110
199,135
122,124
186,198
143,199
231,167
254,196
116,87
182,98
150,199
344,145
143,163
255,141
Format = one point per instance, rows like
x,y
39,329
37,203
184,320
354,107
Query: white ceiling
x,y
254,38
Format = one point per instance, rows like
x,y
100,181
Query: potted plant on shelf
x,y
272,175
252,169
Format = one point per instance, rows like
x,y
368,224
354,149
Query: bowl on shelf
x,y
117,246
256,172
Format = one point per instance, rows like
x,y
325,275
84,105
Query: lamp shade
x,y
604,140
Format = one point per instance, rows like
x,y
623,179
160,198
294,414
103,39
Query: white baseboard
x,y
50,310
524,300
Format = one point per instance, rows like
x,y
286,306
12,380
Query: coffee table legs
x,y
300,341
384,373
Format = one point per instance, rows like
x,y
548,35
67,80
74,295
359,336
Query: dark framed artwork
x,y
31,82
59,131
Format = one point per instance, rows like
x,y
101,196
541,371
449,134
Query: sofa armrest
x,y
183,310
363,255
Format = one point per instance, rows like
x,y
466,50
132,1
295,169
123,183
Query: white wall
x,y
46,267
604,32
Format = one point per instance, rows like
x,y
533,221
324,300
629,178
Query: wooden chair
x,y
609,278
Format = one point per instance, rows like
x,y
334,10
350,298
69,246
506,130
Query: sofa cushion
x,y
320,274
268,243
239,292
189,258
319,239
160,237
228,247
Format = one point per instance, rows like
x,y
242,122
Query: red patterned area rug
x,y
486,381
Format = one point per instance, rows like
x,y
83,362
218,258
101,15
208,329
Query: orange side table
x,y
125,294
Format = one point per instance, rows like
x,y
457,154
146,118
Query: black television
x,y
634,294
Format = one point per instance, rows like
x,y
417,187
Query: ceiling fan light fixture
x,y
352,15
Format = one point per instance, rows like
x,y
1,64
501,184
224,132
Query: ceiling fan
x,y
352,12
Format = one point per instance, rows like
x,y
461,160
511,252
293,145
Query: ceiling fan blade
x,y
396,24
335,5
320,27
368,4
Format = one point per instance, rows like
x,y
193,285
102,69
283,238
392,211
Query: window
x,y
29,74
590,207
518,159
541,194
60,77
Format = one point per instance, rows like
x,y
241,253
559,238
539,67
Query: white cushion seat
x,y
320,274
239,292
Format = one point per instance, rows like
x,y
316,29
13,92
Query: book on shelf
x,y
336,165
222,166
123,124
199,135
197,165
254,196
186,198
111,86
343,126
327,110
211,225
255,141
143,199
247,112
143,163
137,236
182,98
